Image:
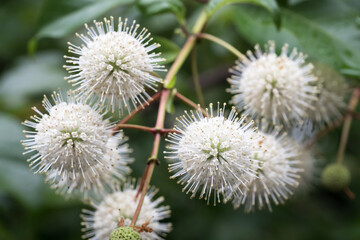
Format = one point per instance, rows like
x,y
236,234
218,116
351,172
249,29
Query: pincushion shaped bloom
x,y
74,146
213,153
277,88
120,204
115,63
330,104
278,174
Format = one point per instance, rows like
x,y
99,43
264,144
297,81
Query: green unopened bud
x,y
335,177
125,233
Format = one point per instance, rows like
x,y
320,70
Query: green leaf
x,y
168,49
11,134
320,42
270,5
31,77
153,7
72,21
15,176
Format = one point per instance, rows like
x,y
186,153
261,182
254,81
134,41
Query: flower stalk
x,y
347,124
222,43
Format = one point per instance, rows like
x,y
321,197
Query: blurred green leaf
x,y
55,9
31,76
15,176
17,179
11,134
168,49
316,40
270,5
153,7
70,22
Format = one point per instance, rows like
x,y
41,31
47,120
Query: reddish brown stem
x,y
350,113
325,131
154,154
190,103
142,181
133,126
349,193
153,130
165,130
347,124
139,108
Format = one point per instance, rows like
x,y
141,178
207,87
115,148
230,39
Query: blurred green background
x,y
33,37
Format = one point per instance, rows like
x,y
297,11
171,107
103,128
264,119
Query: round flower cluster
x,y
213,153
115,64
330,103
278,174
279,89
74,146
120,205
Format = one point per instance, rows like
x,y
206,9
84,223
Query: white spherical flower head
x,y
312,171
116,63
330,103
120,204
74,145
277,177
279,89
213,153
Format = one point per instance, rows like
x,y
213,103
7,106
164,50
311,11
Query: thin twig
x,y
154,154
222,43
347,124
195,74
142,181
349,193
325,131
189,102
139,127
139,108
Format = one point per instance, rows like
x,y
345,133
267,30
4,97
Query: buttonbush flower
x,y
277,177
311,166
116,63
330,103
74,147
213,153
120,203
279,89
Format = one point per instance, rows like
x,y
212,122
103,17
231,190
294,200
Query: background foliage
x,y
33,39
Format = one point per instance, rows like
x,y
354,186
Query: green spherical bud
x,y
125,233
335,177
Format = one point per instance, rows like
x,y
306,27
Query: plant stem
x,y
347,123
189,102
139,127
190,42
325,131
222,43
139,108
195,74
154,154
